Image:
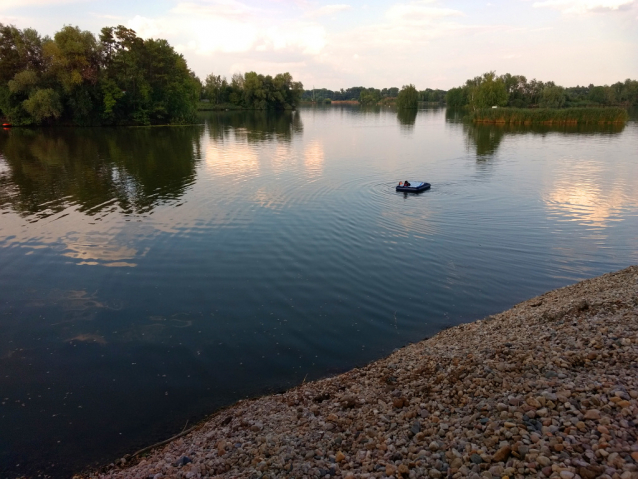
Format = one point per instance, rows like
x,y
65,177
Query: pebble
x,y
546,389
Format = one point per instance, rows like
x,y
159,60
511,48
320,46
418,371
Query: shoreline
x,y
548,388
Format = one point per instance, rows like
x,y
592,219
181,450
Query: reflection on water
x,y
407,117
132,169
578,192
151,275
486,138
253,126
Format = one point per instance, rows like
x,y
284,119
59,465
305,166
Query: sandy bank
x,y
546,389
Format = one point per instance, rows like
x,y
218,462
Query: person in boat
x,y
400,183
406,183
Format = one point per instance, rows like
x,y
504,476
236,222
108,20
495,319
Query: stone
x,y
182,461
403,469
566,475
434,446
589,472
476,459
502,454
398,402
340,456
543,460
592,414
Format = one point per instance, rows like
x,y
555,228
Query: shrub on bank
x,y
550,115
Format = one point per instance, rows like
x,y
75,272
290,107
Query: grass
x,y
550,116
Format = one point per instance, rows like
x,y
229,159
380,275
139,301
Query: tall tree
x,y
408,98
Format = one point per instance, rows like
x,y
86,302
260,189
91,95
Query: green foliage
x,y
550,116
253,91
487,91
370,96
522,93
457,97
23,82
432,96
408,98
77,79
43,105
552,96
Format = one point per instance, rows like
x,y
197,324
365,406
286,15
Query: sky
x,y
429,43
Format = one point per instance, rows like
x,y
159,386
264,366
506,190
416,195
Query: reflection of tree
x,y
137,167
254,126
487,137
407,117
455,115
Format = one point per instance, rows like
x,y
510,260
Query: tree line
x,y
253,91
369,96
117,78
516,91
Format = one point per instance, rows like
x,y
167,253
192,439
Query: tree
x,y
408,98
488,91
457,97
370,96
552,96
43,105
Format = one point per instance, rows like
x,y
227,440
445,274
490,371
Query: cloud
x,y
9,4
328,10
418,12
231,27
585,6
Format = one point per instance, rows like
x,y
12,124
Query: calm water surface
x,y
151,275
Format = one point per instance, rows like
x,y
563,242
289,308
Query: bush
x,y
550,116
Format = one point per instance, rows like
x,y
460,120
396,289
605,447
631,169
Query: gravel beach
x,y
548,388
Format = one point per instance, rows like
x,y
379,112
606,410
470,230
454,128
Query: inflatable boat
x,y
415,187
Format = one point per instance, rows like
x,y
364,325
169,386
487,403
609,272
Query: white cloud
x,y
421,42
231,27
584,6
328,10
9,4
417,12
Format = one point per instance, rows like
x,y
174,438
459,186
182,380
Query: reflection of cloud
x,y
89,338
237,160
283,158
71,233
271,198
96,249
579,195
314,158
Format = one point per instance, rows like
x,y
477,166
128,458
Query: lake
x,y
149,276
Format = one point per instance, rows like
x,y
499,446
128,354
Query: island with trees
x,y
512,99
118,78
